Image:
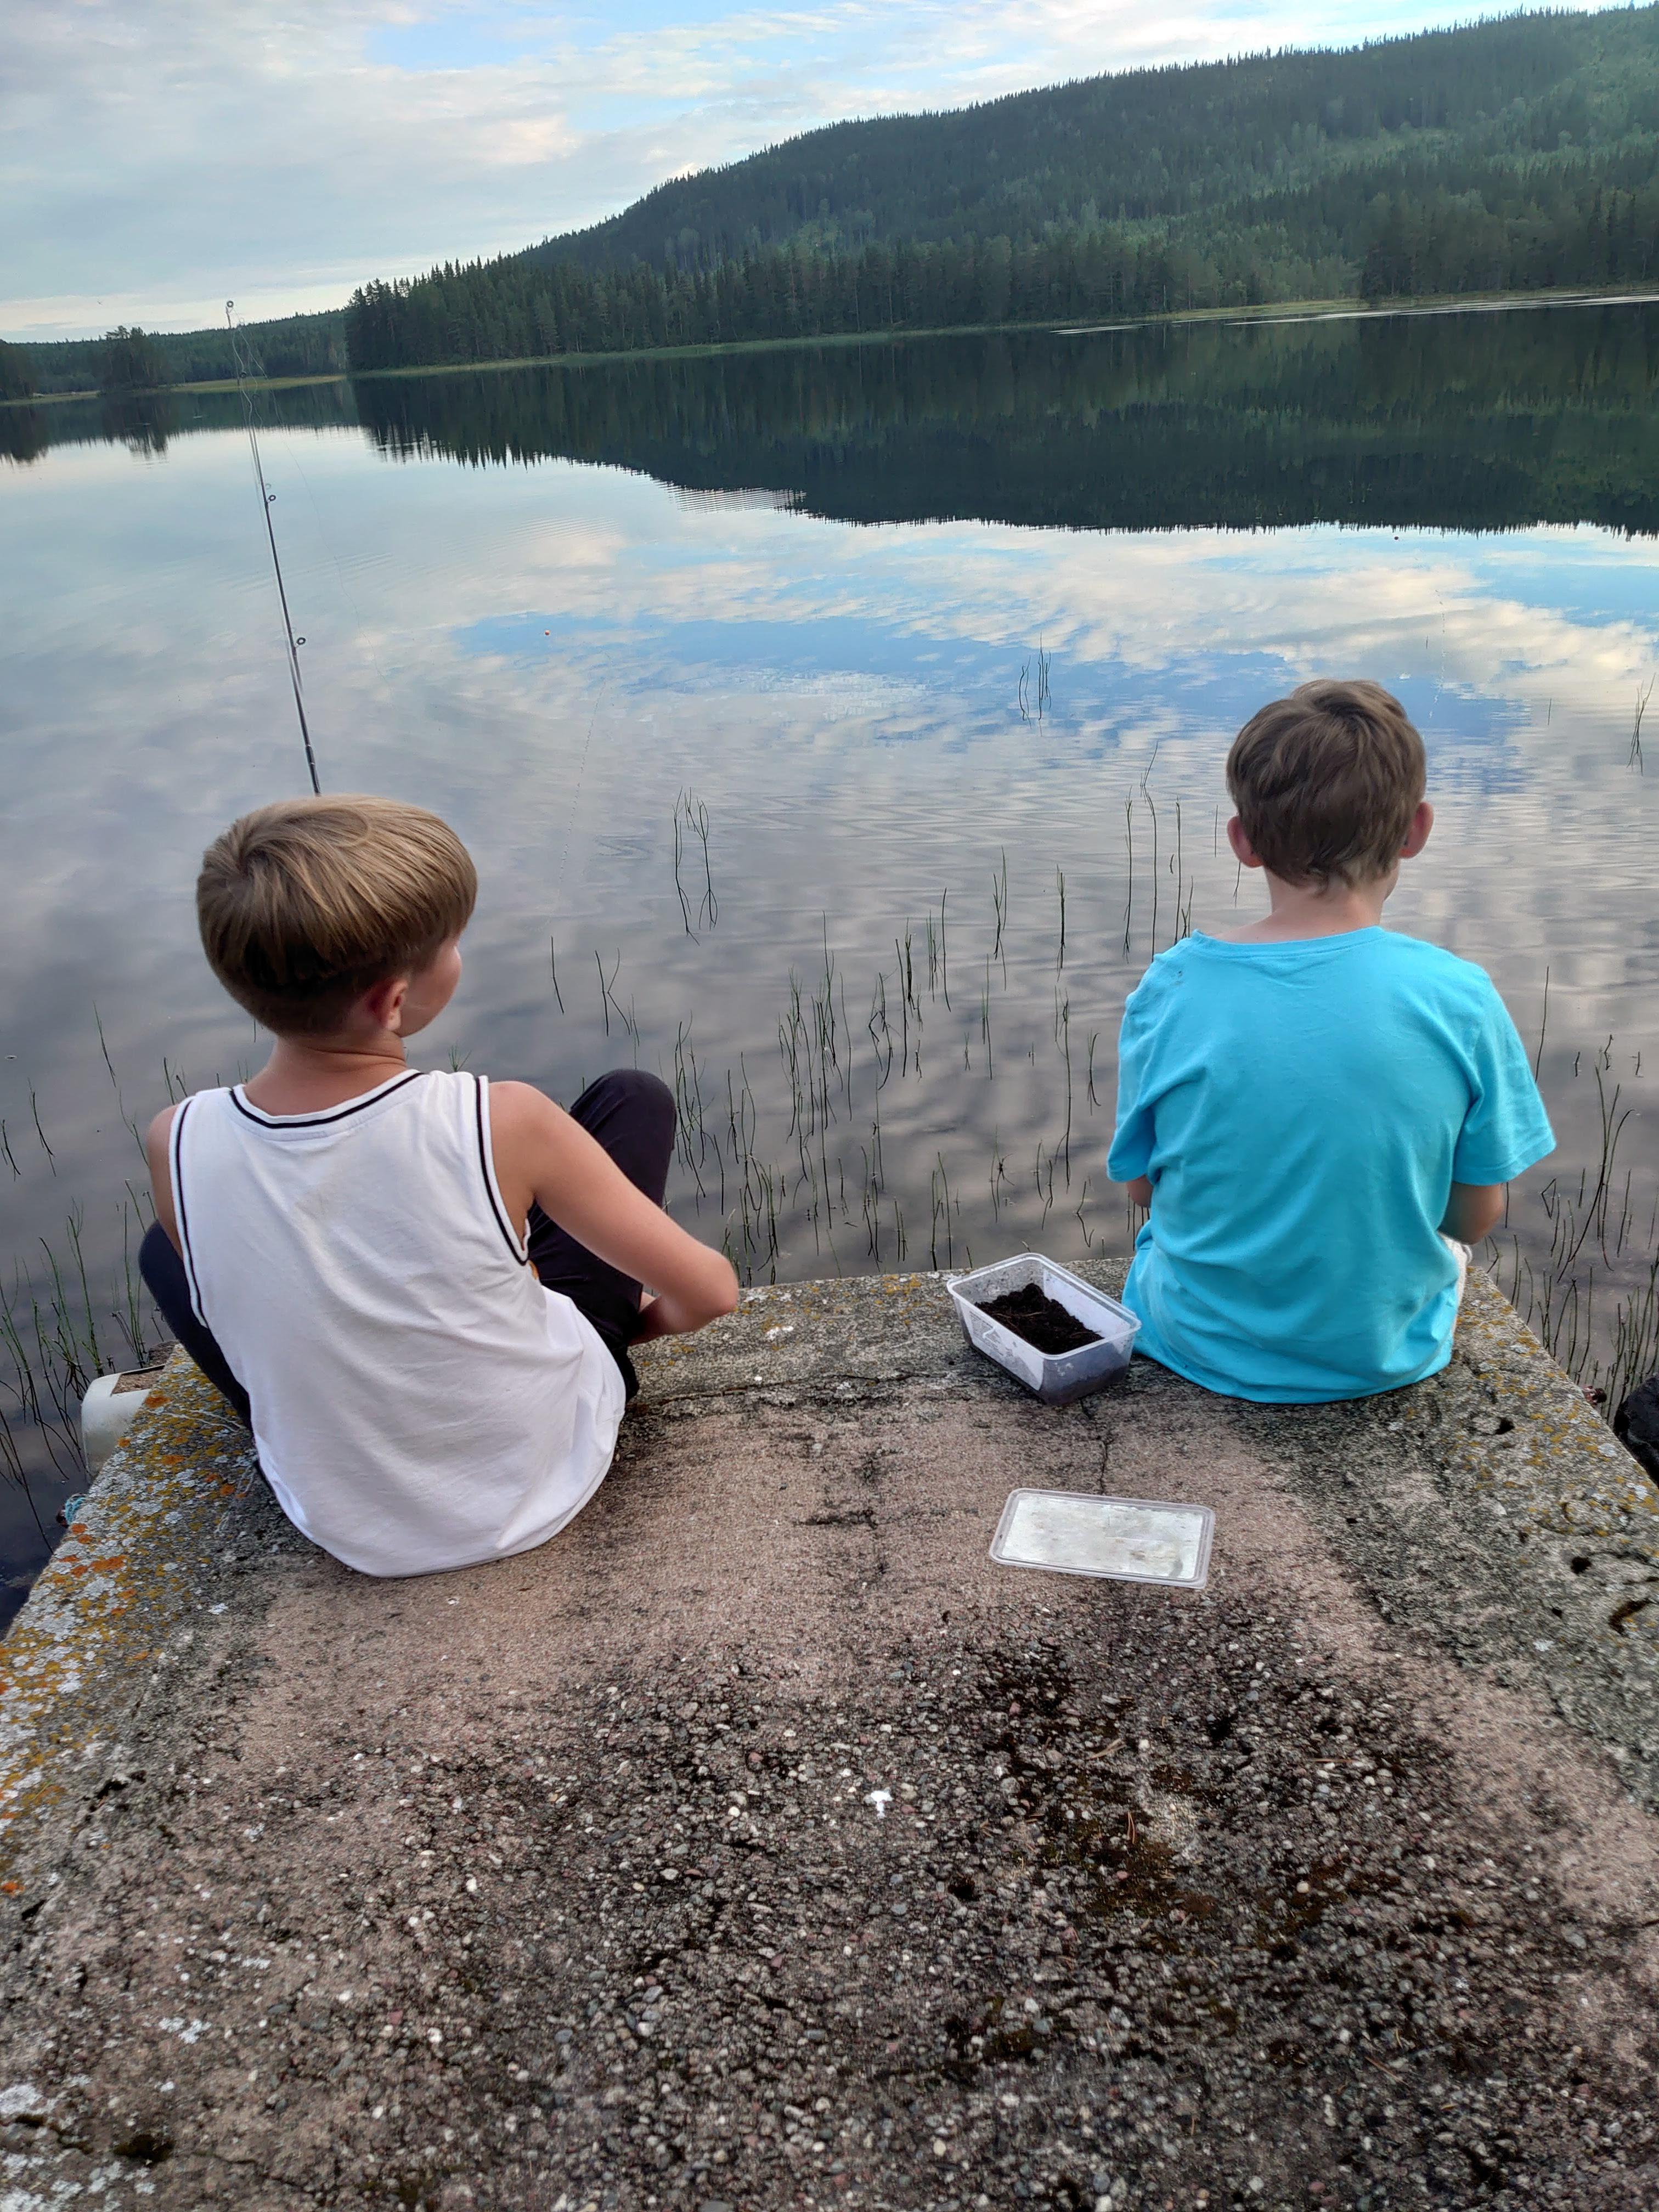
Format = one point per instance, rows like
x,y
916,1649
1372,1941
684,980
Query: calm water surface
x,y
915,654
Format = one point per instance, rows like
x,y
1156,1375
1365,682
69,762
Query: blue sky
x,y
160,155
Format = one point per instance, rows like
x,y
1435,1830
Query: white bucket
x,y
109,1410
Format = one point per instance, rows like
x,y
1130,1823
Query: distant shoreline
x,y
1344,309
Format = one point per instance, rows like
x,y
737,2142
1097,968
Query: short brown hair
x,y
305,905
1326,782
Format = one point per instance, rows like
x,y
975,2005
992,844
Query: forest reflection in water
x,y
1458,420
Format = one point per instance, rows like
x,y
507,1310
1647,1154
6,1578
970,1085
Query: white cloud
x,y
163,154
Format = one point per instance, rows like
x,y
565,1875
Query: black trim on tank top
x,y
339,1113
487,1173
176,1168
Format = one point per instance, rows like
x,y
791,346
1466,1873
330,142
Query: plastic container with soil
x,y
1057,1377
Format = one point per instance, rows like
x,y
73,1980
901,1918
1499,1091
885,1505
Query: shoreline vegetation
x,y
1338,308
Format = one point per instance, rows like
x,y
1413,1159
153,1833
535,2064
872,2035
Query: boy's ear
x,y
384,1002
1418,835
1243,851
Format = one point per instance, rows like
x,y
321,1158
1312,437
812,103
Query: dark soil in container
x,y
1030,1314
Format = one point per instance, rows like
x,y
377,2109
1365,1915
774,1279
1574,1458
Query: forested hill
x,y
1294,144
1511,154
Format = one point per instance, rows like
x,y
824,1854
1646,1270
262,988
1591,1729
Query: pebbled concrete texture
x,y
759,1843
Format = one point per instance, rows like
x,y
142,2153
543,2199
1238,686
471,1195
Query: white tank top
x,y
419,1401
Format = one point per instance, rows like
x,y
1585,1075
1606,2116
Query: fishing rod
x,y
266,497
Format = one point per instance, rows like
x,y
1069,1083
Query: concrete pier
x,y
759,1843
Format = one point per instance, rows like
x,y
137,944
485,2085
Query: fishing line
x,y
265,498
364,631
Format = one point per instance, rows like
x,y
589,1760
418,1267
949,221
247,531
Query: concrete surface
x,y
758,1843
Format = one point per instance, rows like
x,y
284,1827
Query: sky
x,y
160,156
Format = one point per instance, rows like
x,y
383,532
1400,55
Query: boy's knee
x,y
648,1094
644,1097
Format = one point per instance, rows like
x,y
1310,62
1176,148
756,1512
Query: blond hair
x,y
1326,782
305,905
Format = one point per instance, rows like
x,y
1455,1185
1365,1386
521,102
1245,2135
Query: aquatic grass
x,y
1606,1357
1063,1043
1129,873
34,1109
692,819
998,1175
690,1119
50,1331
1033,698
945,1211
1543,1025
881,1035
815,1160
1591,1250
610,1004
679,888
1082,1217
939,959
74,1307
1045,1188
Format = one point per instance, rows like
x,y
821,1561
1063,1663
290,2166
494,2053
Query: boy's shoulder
x,y
1390,958
1422,965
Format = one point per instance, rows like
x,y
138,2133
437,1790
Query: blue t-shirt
x,y
1302,1111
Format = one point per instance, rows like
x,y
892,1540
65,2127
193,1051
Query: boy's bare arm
x,y
1141,1191
160,1170
540,1153
1473,1211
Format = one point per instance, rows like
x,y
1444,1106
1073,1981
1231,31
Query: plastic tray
x,y
1124,1539
1056,1377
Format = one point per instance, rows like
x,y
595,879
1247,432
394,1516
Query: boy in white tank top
x,y
417,1287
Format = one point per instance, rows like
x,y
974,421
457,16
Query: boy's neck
x,y
1303,910
307,1074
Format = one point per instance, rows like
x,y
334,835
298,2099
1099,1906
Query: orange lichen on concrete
x,y
113,1594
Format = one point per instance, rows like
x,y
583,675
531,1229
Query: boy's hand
x,y
1141,1192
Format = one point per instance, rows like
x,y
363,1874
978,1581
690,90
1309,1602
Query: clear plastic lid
x,y
1131,1540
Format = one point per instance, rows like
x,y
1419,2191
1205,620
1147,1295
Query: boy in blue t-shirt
x,y
1320,1113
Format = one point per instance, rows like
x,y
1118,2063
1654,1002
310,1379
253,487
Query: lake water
x,y
924,658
